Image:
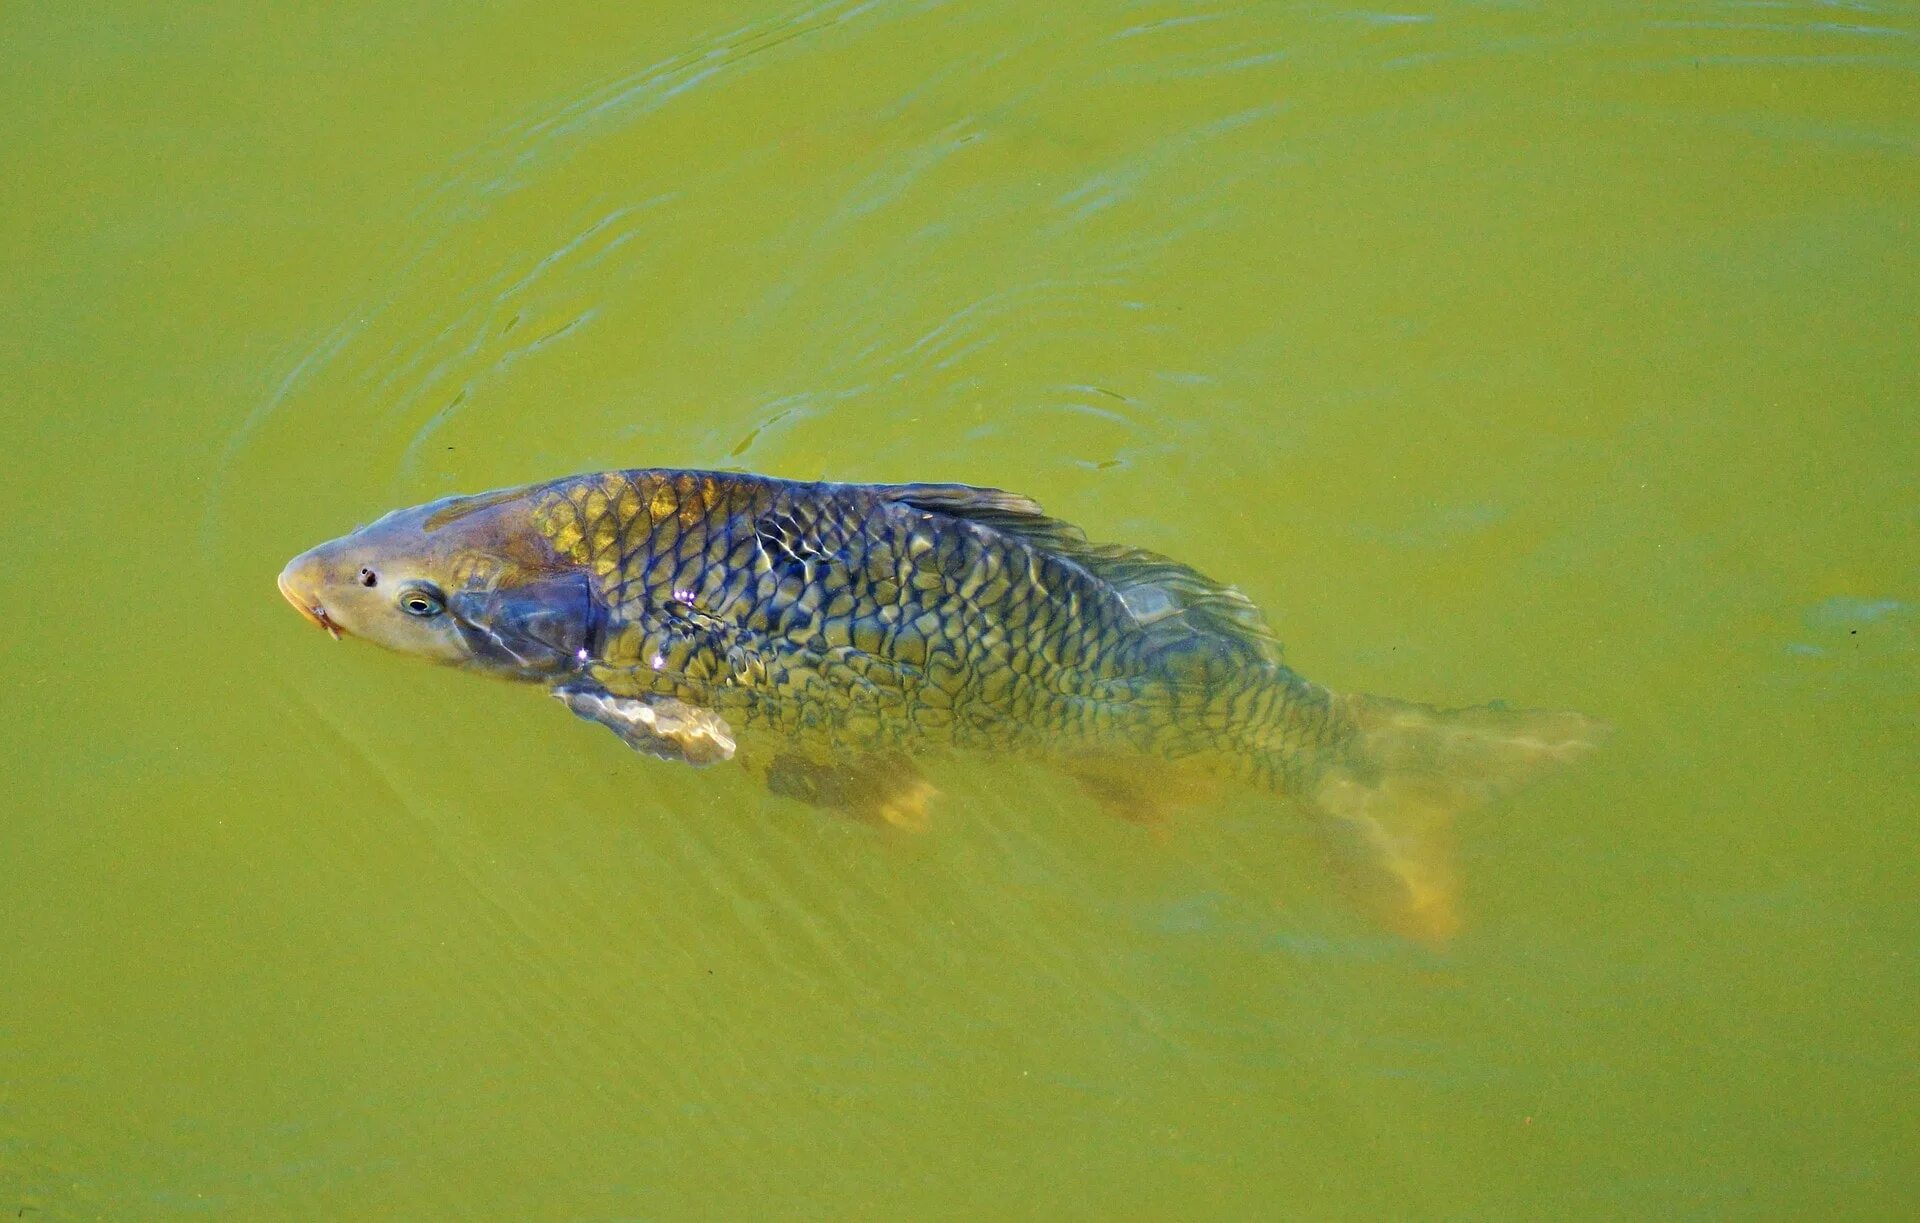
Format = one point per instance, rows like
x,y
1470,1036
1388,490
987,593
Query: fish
x,y
832,637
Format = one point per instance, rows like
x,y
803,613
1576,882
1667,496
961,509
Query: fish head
x,y
466,581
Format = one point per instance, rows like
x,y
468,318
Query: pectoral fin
x,y
661,726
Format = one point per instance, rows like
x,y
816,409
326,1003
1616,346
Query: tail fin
x,y
1388,811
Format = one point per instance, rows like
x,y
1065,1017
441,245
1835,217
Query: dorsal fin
x,y
990,507
1166,598
1161,591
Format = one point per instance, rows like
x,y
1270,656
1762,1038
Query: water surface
x,y
1560,354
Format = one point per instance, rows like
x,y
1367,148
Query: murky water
x,y
1561,354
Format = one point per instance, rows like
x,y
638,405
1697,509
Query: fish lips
x,y
309,608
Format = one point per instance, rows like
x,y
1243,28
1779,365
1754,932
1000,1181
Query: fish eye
x,y
421,601
368,577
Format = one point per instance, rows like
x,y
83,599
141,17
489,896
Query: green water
x,y
1561,354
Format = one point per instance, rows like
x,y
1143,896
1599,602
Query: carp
x,y
827,635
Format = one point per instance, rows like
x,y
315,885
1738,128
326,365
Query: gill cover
x,y
533,629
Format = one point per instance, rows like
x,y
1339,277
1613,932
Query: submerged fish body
x,y
832,632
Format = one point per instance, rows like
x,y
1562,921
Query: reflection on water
x,y
1554,354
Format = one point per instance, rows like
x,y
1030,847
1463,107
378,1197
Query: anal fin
x,y
1143,790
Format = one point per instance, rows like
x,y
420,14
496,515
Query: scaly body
x,y
832,632
862,618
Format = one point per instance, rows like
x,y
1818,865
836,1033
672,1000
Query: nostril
x,y
368,577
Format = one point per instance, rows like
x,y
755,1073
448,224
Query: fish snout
x,y
300,583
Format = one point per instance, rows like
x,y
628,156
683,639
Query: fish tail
x,y
1386,802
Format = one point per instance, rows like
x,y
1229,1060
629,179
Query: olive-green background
x,y
1564,354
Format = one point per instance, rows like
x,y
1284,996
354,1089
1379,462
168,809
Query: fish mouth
x,y
310,609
